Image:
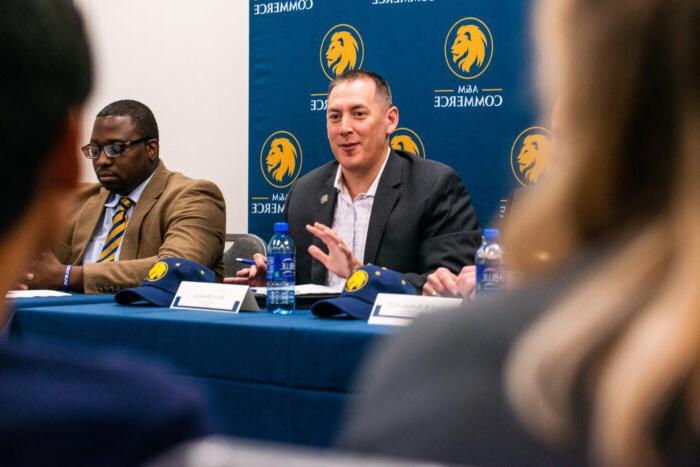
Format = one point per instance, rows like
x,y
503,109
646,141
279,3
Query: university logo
x,y
405,139
157,272
357,280
529,155
280,159
468,48
342,49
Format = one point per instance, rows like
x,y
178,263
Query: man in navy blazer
x,y
62,406
373,204
421,219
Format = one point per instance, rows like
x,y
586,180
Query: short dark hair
x,y
142,117
47,73
383,90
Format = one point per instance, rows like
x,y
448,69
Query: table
x,y
74,299
281,378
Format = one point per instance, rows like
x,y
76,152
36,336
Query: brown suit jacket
x,y
175,217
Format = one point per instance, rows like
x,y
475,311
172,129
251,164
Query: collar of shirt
x,y
340,185
134,196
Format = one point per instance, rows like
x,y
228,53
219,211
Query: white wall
x,y
188,61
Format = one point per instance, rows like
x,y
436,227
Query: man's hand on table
x,y
254,276
445,283
47,272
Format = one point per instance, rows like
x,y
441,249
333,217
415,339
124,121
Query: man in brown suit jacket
x,y
138,213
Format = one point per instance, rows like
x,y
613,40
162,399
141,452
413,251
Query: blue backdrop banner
x,y
460,74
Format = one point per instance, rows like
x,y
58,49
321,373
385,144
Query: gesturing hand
x,y
339,260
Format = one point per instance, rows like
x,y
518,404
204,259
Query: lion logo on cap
x,y
356,281
157,271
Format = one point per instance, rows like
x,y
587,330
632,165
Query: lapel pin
x,y
324,199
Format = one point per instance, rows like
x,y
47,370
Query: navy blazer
x,y
421,219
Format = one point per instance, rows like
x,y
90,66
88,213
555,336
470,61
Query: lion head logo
x,y
405,139
157,271
357,280
280,159
405,143
341,50
470,49
341,54
532,158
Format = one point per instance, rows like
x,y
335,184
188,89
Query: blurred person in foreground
x,y
60,406
595,359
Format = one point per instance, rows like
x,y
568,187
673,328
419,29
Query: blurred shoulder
x,y
113,377
113,406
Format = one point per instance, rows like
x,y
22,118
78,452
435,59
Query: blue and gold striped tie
x,y
116,232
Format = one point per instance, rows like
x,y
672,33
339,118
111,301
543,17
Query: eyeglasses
x,y
93,151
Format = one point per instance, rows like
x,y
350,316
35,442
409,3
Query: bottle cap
x,y
281,227
491,234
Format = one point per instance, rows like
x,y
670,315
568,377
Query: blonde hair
x,y
628,334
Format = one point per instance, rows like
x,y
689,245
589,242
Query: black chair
x,y
244,245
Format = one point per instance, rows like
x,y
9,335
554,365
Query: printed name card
x,y
214,297
400,310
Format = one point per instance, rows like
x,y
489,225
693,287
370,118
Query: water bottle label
x,y
490,277
288,268
281,267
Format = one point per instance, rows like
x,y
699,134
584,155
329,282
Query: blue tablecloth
x,y
74,299
282,378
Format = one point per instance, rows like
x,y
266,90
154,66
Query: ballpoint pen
x,y
247,261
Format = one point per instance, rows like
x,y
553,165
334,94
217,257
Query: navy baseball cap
x,y
361,289
162,281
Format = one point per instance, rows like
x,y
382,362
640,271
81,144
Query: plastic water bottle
x,y
491,274
281,271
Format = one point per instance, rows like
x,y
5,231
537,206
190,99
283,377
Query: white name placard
x,y
400,310
214,297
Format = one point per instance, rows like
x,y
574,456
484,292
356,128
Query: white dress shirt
x,y
351,219
94,248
